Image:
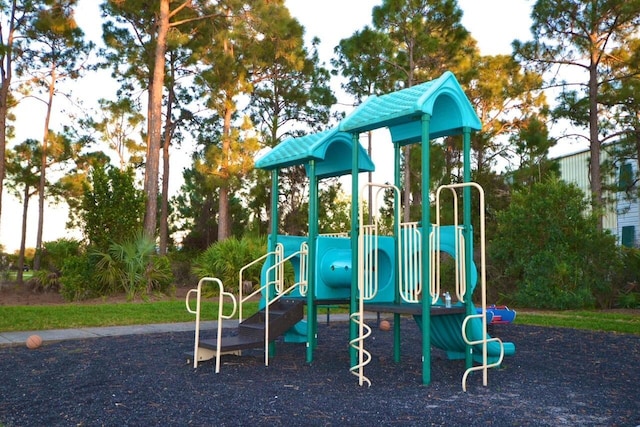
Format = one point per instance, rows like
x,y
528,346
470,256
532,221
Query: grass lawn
x,y
26,318
64,316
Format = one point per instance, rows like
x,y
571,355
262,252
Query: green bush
x,y
77,282
225,259
628,290
55,253
134,267
549,250
44,281
181,266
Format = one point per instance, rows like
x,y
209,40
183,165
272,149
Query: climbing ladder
x,y
409,261
460,277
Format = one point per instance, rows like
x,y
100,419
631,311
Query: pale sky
x,y
329,20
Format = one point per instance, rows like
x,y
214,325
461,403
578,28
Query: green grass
x,y
605,321
27,318
65,316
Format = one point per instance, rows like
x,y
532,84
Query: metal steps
x,y
283,315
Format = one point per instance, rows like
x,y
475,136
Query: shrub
x,y
628,290
77,282
54,254
548,246
134,267
225,259
182,268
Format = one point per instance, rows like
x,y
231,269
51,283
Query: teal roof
x,y
331,149
401,111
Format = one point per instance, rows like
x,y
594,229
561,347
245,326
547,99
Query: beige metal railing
x,y
368,238
277,270
461,285
411,261
459,244
221,316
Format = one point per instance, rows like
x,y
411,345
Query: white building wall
x,y
628,211
574,168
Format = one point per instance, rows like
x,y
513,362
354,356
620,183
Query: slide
x,y
446,335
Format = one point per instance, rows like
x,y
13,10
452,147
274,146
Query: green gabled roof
x,y
332,151
401,111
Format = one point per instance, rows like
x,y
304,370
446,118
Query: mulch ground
x,y
558,377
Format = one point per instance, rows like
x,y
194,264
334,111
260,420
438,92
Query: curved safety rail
x,y
364,356
278,279
277,270
484,367
221,315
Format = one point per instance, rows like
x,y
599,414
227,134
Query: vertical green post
x,y
468,232
274,211
273,241
397,206
353,305
424,253
312,309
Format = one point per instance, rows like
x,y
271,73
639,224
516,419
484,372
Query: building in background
x,y
622,216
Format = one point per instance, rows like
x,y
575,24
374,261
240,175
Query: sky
x,y
329,20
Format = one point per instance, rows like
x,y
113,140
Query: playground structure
x,y
365,268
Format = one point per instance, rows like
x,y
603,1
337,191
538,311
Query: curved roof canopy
x,y
332,151
443,99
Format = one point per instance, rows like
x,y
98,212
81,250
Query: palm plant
x,y
133,266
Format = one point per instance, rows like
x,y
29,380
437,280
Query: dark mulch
x,y
558,377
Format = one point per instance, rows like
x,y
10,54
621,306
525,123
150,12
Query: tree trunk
x,y
224,223
23,235
4,92
43,170
164,203
7,74
152,165
594,166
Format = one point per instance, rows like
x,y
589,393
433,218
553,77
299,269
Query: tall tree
x,y
259,46
56,51
360,60
292,97
139,35
580,35
120,128
428,39
22,181
505,97
14,16
25,170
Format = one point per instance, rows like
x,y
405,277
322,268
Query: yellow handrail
x,y
221,315
485,342
278,268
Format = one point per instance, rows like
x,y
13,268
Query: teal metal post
x,y
274,211
424,253
468,231
274,237
353,305
312,309
397,205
